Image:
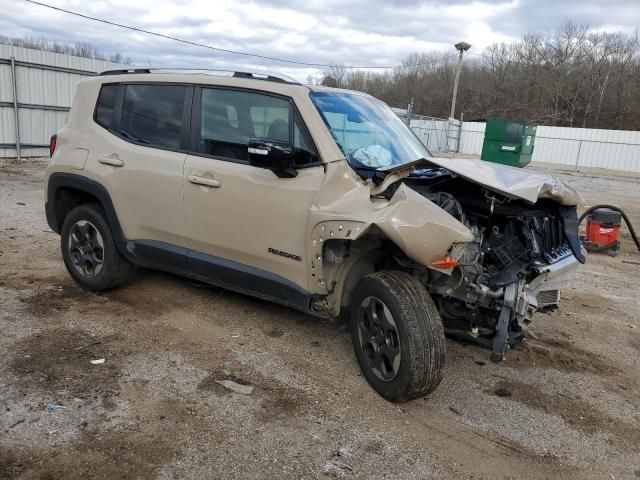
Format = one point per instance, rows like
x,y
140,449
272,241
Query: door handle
x,y
112,160
206,182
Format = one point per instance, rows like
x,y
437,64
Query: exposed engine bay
x,y
499,279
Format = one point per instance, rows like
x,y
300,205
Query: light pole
x,y
461,47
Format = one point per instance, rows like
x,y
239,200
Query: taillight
x,y
52,144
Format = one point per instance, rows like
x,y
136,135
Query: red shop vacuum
x,y
603,227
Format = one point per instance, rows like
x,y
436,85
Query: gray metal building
x,y
36,91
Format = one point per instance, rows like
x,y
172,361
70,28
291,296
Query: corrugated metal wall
x,y
577,147
588,147
45,84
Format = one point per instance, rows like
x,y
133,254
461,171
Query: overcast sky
x,y
358,32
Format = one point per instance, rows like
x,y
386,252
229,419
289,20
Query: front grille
x,y
552,234
548,297
548,240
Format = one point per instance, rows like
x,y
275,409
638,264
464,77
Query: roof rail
x,y
124,71
271,77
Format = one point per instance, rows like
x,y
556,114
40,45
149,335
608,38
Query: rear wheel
x,y
397,335
89,251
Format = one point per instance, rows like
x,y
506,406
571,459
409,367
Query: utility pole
x,y
461,47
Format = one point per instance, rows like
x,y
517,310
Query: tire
x,y
419,336
84,233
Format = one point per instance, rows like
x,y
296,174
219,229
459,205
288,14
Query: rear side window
x,y
152,115
106,105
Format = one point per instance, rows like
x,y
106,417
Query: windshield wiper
x,y
365,168
369,173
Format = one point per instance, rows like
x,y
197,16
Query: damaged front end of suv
x,y
524,249
491,244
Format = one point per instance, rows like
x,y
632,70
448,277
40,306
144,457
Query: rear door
x,y
140,153
241,213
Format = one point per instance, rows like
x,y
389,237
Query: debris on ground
x,y
503,392
97,361
236,387
337,469
17,423
343,452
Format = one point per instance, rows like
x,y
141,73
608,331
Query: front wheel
x,y
89,251
397,335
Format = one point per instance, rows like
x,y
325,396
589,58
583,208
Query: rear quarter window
x,y
106,105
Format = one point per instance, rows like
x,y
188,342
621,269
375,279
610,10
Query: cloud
x,y
359,32
547,15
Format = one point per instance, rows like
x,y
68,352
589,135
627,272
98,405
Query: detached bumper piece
x,y
522,299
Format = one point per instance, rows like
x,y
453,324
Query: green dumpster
x,y
508,142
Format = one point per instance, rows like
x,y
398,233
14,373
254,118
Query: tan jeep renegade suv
x,y
316,198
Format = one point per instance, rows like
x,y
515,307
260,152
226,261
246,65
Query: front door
x,y
243,216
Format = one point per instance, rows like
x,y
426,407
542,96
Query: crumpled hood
x,y
509,181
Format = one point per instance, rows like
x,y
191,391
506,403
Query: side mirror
x,y
273,155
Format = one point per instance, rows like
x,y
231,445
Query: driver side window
x,y
229,119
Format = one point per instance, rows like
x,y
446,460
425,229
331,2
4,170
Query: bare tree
x,y
79,49
569,77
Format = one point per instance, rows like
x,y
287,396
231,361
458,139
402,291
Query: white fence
x,y
432,131
595,148
576,147
36,90
472,137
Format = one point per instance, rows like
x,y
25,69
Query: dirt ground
x,y
565,406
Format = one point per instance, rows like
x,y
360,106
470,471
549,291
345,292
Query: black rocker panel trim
x,y
219,271
245,279
158,255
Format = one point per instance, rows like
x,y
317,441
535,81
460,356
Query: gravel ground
x,y
564,406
